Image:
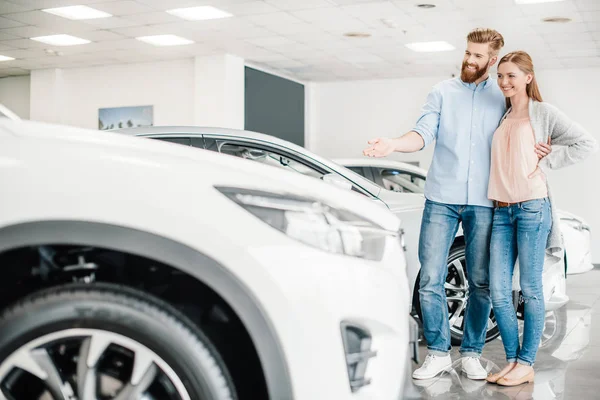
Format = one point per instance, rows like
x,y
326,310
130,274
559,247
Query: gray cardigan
x,y
575,145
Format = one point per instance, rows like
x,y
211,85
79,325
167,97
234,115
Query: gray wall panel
x,y
274,105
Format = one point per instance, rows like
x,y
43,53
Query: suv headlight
x,y
313,223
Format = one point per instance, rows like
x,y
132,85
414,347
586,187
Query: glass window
x,y
275,157
197,142
402,181
179,140
270,158
358,170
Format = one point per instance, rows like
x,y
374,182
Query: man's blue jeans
x,y
520,230
438,229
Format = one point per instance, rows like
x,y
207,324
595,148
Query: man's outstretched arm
x,y
407,143
424,133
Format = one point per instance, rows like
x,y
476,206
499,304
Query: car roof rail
x,y
6,112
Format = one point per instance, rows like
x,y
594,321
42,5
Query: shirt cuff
x,y
426,138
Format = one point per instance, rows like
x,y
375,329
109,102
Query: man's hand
x,y
380,147
543,149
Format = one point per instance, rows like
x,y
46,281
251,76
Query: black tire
x,y
457,278
120,312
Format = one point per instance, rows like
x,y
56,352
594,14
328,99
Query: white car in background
x,y
407,178
402,177
138,269
408,207
577,236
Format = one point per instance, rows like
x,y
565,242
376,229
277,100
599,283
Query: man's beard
x,y
471,76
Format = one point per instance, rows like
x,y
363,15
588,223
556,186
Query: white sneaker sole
x,y
422,377
474,377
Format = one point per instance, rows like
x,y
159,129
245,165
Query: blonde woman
x,y
523,225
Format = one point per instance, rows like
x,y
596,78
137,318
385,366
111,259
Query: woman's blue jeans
x,y
520,230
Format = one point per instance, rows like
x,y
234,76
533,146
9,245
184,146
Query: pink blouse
x,y
514,174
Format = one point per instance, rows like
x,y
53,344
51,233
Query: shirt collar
x,y
481,86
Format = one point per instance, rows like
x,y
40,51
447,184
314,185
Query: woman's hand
x,y
543,149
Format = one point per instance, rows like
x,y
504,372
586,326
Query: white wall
x,y
14,94
78,93
577,188
347,114
219,91
194,91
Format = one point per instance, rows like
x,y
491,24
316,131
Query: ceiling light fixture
x,y
61,40
556,19
426,6
535,1
199,13
77,12
165,40
425,47
6,58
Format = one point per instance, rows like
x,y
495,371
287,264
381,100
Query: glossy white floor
x,y
568,362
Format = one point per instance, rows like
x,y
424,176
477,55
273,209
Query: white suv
x,y
138,269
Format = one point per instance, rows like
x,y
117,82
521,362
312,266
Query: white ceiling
x,y
303,38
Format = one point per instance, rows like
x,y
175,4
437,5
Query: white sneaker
x,y
472,368
432,366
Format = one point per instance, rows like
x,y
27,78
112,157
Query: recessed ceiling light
x,y
357,34
430,46
199,13
60,40
535,1
426,6
165,40
556,19
77,12
6,58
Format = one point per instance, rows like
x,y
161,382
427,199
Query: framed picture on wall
x,y
125,117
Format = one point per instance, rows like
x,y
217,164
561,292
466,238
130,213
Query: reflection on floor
x,y
568,362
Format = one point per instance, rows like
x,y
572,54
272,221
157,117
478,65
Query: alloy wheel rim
x,y
457,293
88,364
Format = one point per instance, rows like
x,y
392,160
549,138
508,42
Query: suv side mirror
x,y
337,180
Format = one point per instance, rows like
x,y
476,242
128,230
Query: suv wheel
x,y
457,292
105,342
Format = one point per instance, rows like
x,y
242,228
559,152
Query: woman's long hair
x,y
523,60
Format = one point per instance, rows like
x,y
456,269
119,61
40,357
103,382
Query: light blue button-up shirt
x,y
462,118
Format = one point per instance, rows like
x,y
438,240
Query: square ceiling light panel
x,y
199,13
60,40
78,12
165,40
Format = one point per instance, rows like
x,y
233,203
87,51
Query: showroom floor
x,y
568,364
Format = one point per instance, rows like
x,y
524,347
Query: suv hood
x,y
96,148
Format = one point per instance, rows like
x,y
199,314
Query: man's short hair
x,y
489,36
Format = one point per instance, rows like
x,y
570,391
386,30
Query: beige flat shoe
x,y
493,378
515,382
